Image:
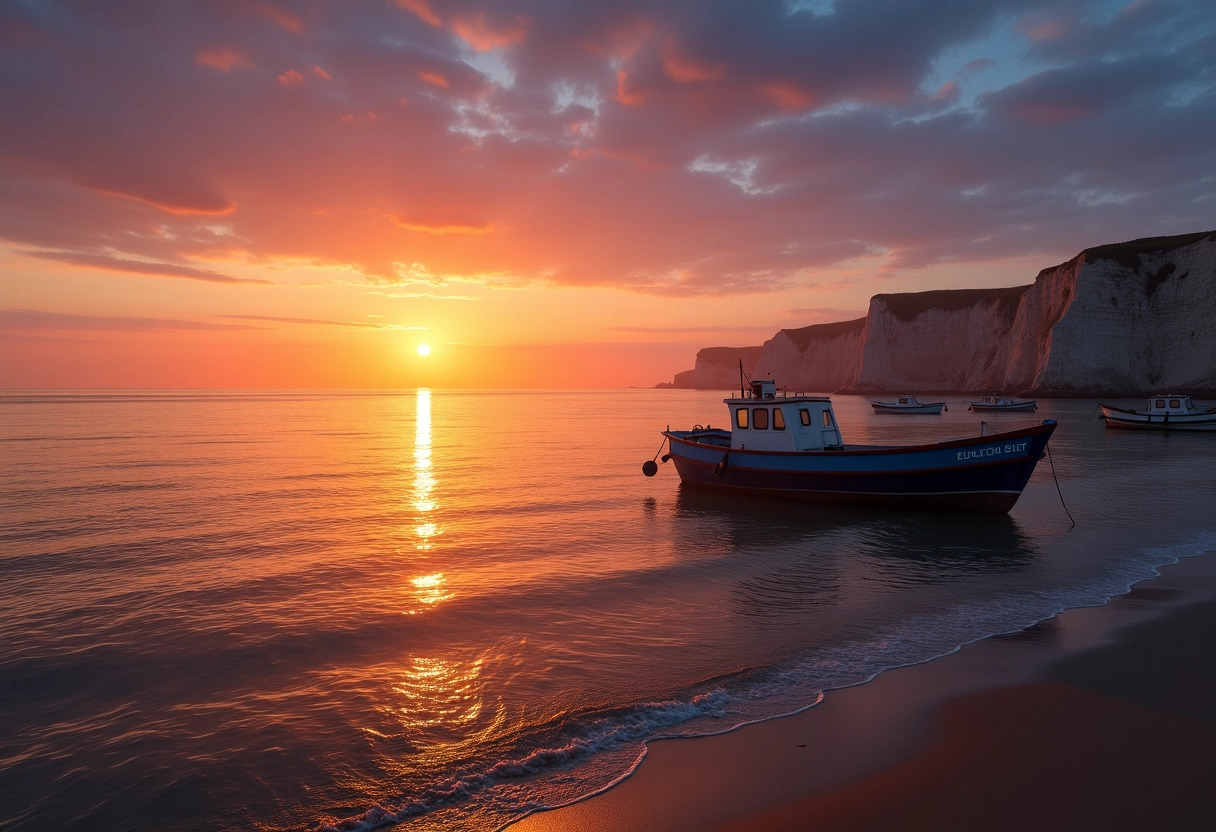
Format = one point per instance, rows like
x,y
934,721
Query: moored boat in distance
x,y
998,402
909,404
1167,412
790,446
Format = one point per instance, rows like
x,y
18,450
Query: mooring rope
x,y
1058,491
660,450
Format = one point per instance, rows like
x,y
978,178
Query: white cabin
x,y
762,420
1170,405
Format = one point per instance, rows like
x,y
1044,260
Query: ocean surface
x,y
312,611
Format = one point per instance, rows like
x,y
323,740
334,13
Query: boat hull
x,y
977,474
1129,419
933,409
1015,407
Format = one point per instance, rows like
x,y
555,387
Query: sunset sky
x,y
557,194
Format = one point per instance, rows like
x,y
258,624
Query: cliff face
x,y
1130,318
1138,317
813,359
717,368
937,341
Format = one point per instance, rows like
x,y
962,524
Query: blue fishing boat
x,y
790,446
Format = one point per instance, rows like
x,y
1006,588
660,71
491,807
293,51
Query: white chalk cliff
x,y
1127,319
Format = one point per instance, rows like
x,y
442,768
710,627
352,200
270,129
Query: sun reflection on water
x,y
440,704
429,589
424,476
438,691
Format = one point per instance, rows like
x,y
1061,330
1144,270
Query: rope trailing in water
x,y
1058,491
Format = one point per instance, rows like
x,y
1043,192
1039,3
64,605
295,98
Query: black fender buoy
x,y
720,468
649,468
665,457
946,408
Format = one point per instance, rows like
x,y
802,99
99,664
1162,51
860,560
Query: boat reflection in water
x,y
818,556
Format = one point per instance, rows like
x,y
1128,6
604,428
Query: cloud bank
x,y
672,148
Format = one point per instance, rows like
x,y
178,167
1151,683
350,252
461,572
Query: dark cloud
x,y
1059,96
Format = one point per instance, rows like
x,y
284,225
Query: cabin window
x,y
741,418
1160,402
1174,403
778,419
805,416
759,418
827,419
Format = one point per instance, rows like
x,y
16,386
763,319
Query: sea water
x,y
303,610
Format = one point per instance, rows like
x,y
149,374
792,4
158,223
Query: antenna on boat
x,y
744,380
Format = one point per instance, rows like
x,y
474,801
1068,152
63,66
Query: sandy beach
x,y
1099,718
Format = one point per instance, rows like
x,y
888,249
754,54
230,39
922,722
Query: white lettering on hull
x,y
994,450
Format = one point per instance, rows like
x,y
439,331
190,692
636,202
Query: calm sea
x,y
293,611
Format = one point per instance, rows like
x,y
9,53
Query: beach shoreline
x,y
1100,717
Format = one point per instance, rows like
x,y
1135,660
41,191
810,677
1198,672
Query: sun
x,y
424,349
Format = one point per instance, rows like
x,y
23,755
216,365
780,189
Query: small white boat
x,y
1168,412
998,402
909,404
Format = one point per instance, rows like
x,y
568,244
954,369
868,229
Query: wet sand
x,y
1100,718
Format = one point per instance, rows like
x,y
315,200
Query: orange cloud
x,y
787,95
948,91
438,230
434,78
168,207
1051,113
477,33
283,18
291,78
320,73
1044,29
684,70
422,9
221,58
626,96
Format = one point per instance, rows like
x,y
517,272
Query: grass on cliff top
x,y
1128,254
729,355
805,335
906,306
